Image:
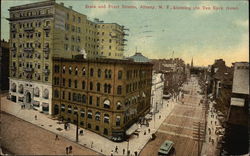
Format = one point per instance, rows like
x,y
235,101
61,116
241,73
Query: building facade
x,y
108,95
157,89
39,31
4,66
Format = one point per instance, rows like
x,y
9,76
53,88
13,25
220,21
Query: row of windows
x,y
35,12
82,98
106,87
97,115
107,73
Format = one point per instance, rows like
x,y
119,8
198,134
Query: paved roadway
x,y
180,124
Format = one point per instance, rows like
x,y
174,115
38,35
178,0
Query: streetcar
x,y
166,149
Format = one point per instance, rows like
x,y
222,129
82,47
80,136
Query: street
x,y
181,126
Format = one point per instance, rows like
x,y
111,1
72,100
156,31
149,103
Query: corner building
x,y
108,95
39,31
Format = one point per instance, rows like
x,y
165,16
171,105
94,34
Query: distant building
x,y
109,95
4,66
157,92
138,57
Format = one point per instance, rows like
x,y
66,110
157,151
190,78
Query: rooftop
x,y
138,57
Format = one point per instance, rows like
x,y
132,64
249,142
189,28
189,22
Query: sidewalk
x,y
100,144
211,140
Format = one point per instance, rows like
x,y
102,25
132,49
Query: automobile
x,y
166,149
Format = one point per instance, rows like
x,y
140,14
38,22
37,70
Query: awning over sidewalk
x,y
45,105
132,129
237,102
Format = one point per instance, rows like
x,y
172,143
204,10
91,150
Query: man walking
x,y
116,149
57,138
35,117
67,150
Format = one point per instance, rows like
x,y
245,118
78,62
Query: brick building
x,y
108,95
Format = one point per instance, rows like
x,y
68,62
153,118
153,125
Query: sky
x,y
188,32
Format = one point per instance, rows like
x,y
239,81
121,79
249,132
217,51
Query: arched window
x,y
106,118
119,75
106,103
119,90
118,120
75,110
89,114
91,86
63,108
99,73
63,69
70,70
83,71
76,71
91,72
97,116
82,113
37,92
98,87
118,105
75,83
106,73
69,109
46,94
83,84
84,99
56,93
13,87
109,74
109,88
105,88
20,89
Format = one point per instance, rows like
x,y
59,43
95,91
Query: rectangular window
x,y
69,96
97,101
90,100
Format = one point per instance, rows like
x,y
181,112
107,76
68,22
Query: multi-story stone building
x,y
108,95
39,31
4,66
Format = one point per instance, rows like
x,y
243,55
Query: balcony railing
x,y
28,50
28,69
46,71
29,29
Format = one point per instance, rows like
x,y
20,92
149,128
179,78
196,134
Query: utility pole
x,y
77,127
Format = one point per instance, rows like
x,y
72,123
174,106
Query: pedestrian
x,y
35,117
135,153
70,149
116,149
67,150
65,126
159,116
57,138
145,132
149,130
123,151
111,153
92,144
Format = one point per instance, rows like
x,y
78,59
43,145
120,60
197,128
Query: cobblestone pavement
x,y
90,139
21,137
179,125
